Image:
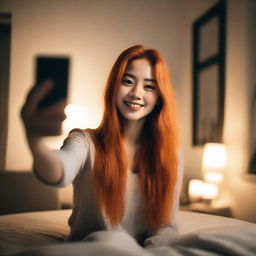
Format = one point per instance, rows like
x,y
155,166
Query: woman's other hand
x,y
46,121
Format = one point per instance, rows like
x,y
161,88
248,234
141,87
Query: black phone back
x,y
56,68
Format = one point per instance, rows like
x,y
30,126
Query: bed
x,y
44,233
33,223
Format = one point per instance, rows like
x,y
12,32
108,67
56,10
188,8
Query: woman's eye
x,y
149,87
127,81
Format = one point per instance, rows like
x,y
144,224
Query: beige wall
x,y
94,33
193,155
241,61
239,188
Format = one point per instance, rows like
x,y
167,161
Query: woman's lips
x,y
133,106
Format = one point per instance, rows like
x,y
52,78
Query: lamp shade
x,y
199,189
195,190
214,157
214,161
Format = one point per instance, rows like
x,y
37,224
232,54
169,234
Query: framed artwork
x,y
209,75
5,53
252,135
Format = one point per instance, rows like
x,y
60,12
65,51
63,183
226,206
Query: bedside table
x,y
207,208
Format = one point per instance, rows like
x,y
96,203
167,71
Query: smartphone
x,y
57,69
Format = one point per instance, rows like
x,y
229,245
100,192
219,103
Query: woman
x,y
124,173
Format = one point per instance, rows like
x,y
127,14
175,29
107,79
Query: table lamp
x,y
214,162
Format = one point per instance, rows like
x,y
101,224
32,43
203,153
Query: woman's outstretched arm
x,y
40,123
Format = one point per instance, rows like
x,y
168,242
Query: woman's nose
x,y
136,91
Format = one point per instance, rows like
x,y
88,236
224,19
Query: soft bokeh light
x,y
199,189
210,191
195,190
214,177
76,117
214,156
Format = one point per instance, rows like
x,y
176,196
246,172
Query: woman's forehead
x,y
140,67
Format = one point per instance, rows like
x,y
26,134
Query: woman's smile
x,y
133,106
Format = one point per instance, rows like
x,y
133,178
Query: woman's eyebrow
x,y
130,75
146,79
150,80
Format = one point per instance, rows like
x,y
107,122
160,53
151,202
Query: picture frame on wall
x,y
252,136
209,75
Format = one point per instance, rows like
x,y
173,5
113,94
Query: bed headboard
x,y
20,191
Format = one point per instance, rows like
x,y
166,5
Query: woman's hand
x,y
46,121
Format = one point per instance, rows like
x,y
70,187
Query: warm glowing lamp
x,y
199,190
210,191
76,117
214,161
195,190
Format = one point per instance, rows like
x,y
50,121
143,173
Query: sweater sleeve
x,y
72,155
169,233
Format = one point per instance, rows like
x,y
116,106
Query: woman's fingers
x,y
55,111
41,127
46,121
58,107
37,93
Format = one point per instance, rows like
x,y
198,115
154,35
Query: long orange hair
x,y
156,160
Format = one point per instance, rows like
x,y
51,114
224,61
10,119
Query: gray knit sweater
x,y
77,156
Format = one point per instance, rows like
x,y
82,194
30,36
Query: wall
x,y
241,61
193,155
238,189
93,33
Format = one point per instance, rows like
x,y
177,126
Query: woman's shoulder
x,y
82,132
79,134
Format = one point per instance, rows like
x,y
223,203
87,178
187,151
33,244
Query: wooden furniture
x,y
21,191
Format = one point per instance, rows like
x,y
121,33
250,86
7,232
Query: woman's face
x,y
138,92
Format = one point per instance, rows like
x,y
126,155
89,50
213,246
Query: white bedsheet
x,y
42,233
110,243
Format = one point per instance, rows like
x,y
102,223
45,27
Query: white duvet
x,y
43,233
109,243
